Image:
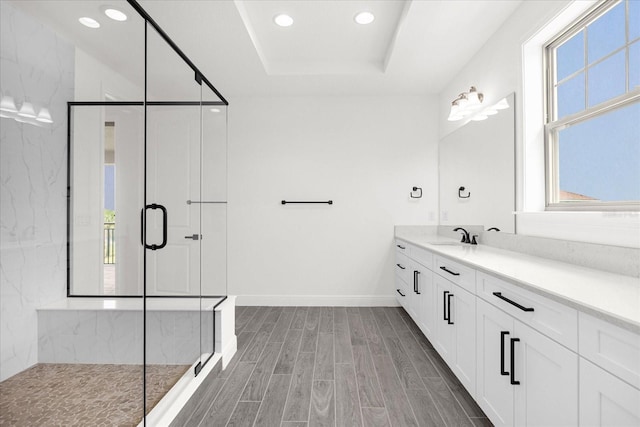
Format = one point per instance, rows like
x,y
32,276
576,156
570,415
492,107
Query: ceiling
x,y
412,47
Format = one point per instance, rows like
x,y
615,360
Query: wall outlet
x,y
444,216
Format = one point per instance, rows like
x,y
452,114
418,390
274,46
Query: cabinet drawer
x,y
462,276
403,267
402,247
555,320
402,292
422,256
610,347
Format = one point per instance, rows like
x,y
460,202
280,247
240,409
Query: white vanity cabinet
x,y
527,358
524,378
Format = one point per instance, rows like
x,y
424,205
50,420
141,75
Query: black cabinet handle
x,y
400,266
398,290
401,247
449,309
416,284
444,305
513,361
502,335
449,271
521,307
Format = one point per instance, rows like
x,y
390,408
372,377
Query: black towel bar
x,y
328,202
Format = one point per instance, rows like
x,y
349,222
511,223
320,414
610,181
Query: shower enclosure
x,y
146,207
147,203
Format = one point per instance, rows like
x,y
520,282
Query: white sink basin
x,y
446,243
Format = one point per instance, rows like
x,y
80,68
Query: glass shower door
x,y
172,215
214,214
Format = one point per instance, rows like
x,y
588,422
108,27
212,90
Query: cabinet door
x,y
547,393
606,400
463,314
427,310
445,326
494,392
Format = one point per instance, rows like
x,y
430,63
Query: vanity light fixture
x,y
89,22
465,104
27,111
115,14
364,18
283,20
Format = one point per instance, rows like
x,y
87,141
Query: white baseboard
x,y
319,300
229,350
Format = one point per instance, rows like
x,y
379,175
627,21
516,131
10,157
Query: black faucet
x,y
465,236
494,228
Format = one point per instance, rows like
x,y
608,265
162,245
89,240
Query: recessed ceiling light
x,y
89,22
115,14
283,20
215,110
364,18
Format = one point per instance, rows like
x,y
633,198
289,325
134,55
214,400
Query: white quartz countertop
x,y
609,296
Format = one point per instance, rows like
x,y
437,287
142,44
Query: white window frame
x,y
552,126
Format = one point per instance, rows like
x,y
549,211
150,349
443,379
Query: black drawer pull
x,y
521,307
449,271
401,247
444,305
449,309
400,266
513,361
416,286
502,335
398,290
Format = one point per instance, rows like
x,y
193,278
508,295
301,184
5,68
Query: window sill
x,y
615,228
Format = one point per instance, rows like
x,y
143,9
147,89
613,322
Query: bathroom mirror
x,y
477,172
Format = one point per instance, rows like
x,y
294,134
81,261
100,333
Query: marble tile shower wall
x,y
115,337
37,66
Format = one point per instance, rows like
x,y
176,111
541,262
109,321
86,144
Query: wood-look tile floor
x,y
334,366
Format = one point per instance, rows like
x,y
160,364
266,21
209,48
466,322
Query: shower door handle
x,y
154,206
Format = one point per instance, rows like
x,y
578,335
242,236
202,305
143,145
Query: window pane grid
x,y
593,94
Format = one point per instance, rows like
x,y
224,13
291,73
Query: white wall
x,y
33,162
365,154
497,70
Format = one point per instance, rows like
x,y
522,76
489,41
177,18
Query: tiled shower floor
x,y
82,395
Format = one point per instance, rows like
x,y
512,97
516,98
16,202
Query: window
x,y
592,129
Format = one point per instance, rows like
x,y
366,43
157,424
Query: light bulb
x,y
89,22
115,14
44,116
364,18
7,104
283,20
473,97
27,110
454,114
502,104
